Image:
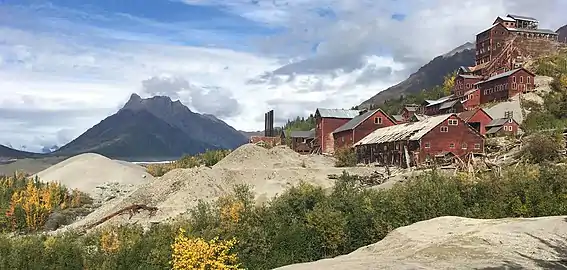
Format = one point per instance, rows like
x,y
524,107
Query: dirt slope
x,y
94,174
461,243
268,172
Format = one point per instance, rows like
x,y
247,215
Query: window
x,y
510,120
464,145
521,79
385,147
468,85
397,146
342,139
528,79
477,146
514,79
453,122
378,120
444,129
427,145
514,86
452,146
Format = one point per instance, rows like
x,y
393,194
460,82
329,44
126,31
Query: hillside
x,y
429,75
10,153
153,129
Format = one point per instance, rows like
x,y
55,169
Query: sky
x,y
65,65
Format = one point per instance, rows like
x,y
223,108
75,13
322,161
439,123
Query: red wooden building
x,y
444,105
464,83
477,119
414,143
502,127
360,126
328,120
505,85
471,99
490,42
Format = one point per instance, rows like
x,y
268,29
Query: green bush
x,y
542,147
305,223
345,157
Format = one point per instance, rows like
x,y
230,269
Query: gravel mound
x,y
461,243
100,177
267,171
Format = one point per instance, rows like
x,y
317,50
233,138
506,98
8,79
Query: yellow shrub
x,y
197,253
109,241
563,80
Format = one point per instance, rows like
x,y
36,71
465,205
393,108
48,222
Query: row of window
x,y
528,79
508,128
452,145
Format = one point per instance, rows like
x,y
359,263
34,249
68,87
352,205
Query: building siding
x,y
506,87
462,85
440,142
480,117
349,137
324,132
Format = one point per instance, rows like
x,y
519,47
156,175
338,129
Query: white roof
x,y
412,131
505,18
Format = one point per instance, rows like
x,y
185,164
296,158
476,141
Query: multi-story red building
x,y
417,142
477,119
491,42
464,83
505,85
502,127
444,105
327,121
360,126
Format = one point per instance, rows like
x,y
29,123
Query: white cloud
x,y
56,84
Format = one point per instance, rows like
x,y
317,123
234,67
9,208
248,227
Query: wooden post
x,y
406,154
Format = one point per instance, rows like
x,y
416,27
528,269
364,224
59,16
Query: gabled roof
x,y
398,117
337,113
505,74
356,121
505,18
537,31
498,122
523,18
438,101
493,129
467,115
419,117
448,104
467,76
411,131
465,69
302,134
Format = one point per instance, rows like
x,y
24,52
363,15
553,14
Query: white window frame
x,y
452,145
464,146
453,122
521,79
427,145
528,79
477,146
378,120
444,129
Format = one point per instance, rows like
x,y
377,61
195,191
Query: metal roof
x,y
448,104
412,131
497,122
498,76
438,101
411,108
493,130
419,117
505,18
523,18
467,76
398,117
302,134
465,69
538,31
337,113
355,121
470,91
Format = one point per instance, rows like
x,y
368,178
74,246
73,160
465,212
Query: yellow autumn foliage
x,y
563,80
197,253
29,202
230,210
109,241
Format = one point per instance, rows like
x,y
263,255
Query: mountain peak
x,y
155,103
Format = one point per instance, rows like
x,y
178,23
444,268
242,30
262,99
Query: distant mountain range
x,y
429,75
156,128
